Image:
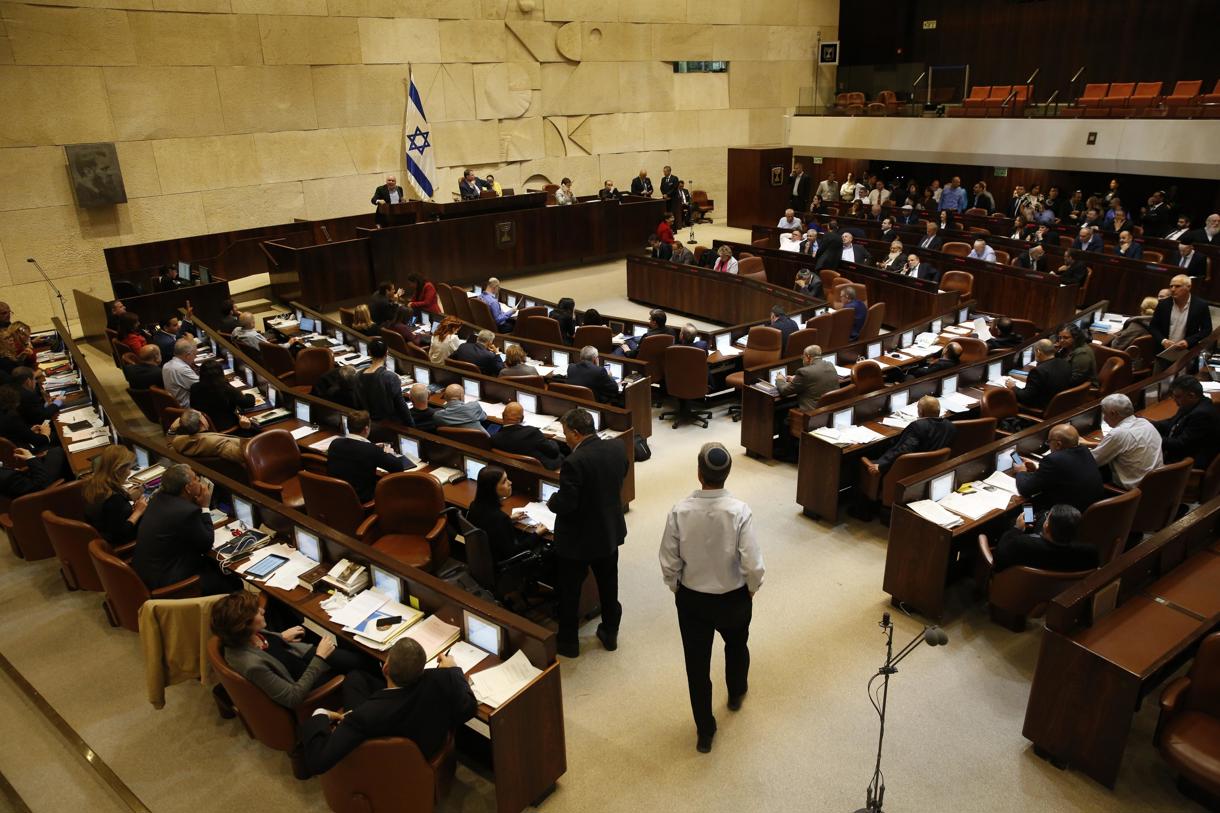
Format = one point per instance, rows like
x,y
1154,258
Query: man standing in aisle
x,y
711,560
669,189
589,528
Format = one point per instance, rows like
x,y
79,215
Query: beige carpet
x,y
806,738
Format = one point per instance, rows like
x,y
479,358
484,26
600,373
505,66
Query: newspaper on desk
x,y
102,438
466,656
842,372
354,610
492,410
1002,480
537,420
367,633
847,436
934,513
324,444
86,414
922,351
957,402
976,504
496,685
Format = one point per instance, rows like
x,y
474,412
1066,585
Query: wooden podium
x,y
758,185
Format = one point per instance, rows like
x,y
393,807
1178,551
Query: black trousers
x,y
700,617
571,573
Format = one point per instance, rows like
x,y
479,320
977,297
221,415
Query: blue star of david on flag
x,y
418,141
417,136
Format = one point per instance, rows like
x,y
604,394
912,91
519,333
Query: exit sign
x,y
929,25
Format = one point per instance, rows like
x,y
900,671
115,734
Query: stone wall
x,y
237,113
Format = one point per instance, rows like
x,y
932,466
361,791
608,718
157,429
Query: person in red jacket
x,y
666,230
424,299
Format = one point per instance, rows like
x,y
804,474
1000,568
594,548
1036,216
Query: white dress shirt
x,y
709,544
786,223
1133,448
726,264
988,254
178,377
1177,320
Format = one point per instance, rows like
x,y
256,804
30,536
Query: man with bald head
x,y
1180,320
1052,376
458,412
146,372
927,433
515,437
1068,474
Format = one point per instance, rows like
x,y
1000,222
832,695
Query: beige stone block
x,y
250,206
570,41
536,38
375,149
75,113
305,40
298,155
591,87
215,162
163,102
531,70
341,197
701,91
472,41
667,131
722,12
53,235
440,9
266,98
135,5
786,42
31,177
681,42
616,42
139,166
97,285
650,11
622,167
494,97
105,225
565,10
522,139
363,8
704,168
200,6
794,75
535,108
195,39
447,91
728,128
466,142
646,86
165,217
768,126
41,35
756,84
6,47
358,95
623,132
817,12
739,42
33,304
582,169
771,12
397,41
313,7
5,278
556,139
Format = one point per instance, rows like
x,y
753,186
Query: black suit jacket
x,y
588,507
641,186
33,409
925,271
438,702
1074,275
933,245
382,193
36,476
1067,476
423,418
469,191
173,541
1198,321
802,189
786,328
489,363
587,374
1156,221
356,461
1193,432
1136,252
983,201
889,235
669,185
143,376
1024,260
1200,236
1196,266
528,440
1030,550
1045,381
923,435
220,405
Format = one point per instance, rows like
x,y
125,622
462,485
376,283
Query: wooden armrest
x,y
187,588
314,463
1110,488
366,529
327,695
264,486
369,506
1173,693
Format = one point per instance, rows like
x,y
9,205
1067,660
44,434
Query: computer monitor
x,y
597,419
559,358
205,276
184,271
639,330
842,418
963,314
546,491
528,402
994,370
363,347
1151,396
478,289
940,487
308,544
1027,357
935,326
228,359
386,583
899,401
300,408
422,375
249,377
338,334
471,387
724,343
273,395
948,384
409,448
482,633
142,458
244,509
907,338
529,303
874,350
307,324
472,466
615,368
1003,458
512,300
343,425
774,372
391,363
427,319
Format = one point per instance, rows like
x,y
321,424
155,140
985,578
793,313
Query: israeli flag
x,y
421,162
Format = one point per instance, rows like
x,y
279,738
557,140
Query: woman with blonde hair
x,y
108,505
1136,326
445,340
15,348
362,320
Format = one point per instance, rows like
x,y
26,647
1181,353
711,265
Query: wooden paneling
x,y
752,198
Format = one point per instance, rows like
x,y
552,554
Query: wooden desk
x,y
319,272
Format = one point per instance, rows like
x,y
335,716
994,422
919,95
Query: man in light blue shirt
x,y
505,319
982,251
953,197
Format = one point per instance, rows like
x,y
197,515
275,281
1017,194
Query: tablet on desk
x,y
266,566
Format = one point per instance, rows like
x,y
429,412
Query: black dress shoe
x,y
609,639
704,745
568,650
735,702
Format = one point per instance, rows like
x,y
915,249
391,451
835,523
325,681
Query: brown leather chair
x,y
1204,486
651,351
444,294
972,350
1163,490
1024,328
872,322
960,281
409,523
867,376
525,380
388,775
841,322
539,328
762,347
8,455
1103,353
143,399
393,339
1107,522
1114,375
70,538
907,465
471,437
1016,593
278,361
999,403
686,380
1069,400
125,591
481,316
573,390
265,720
752,268
333,502
274,462
825,326
27,535
835,295
416,352
169,415
525,313
828,277
161,401
1142,351
347,317
461,304
1001,257
599,336
311,364
464,366
971,434
800,339
956,249
1188,729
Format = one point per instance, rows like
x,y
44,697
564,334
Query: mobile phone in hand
x,y
1029,515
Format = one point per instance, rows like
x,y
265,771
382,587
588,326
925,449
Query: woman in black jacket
x,y
13,426
215,397
486,514
565,314
108,506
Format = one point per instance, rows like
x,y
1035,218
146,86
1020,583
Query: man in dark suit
x,y
782,322
356,460
914,268
175,535
688,336
926,433
658,249
32,406
228,316
682,204
421,413
799,185
1073,271
470,186
1032,260
169,332
642,184
931,239
423,705
389,192
853,253
588,372
1089,239
1180,320
656,326
482,353
589,528
39,472
1054,549
1156,216
1067,474
1192,263
981,198
908,216
888,233
669,185
1003,337
815,378
1052,376
1209,235
1194,431
515,437
147,371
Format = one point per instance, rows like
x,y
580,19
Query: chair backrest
x,y
960,281
525,380
8,452
1082,294
393,339
1068,400
971,434
1002,257
866,375
1209,483
144,400
1119,91
523,313
999,93
273,456
480,313
539,328
1186,89
465,366
1106,524
1151,256
125,592
311,364
161,401
1142,351
599,336
1203,694
872,322
471,437
685,371
798,340
332,502
1145,90
382,775
651,351
408,502
70,539
169,415
267,721
444,292
840,328
277,359
834,294
29,538
907,465
838,396
751,267
461,305
762,346
1113,376
416,352
972,349
956,249
1163,490
574,390
347,317
979,92
1095,90
828,277
999,403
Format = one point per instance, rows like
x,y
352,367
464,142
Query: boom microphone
x,y
935,636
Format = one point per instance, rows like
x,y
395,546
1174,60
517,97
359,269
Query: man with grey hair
x,y
711,560
458,412
981,251
814,379
588,372
505,319
421,413
850,302
192,436
245,336
179,372
482,353
1130,446
1087,240
175,535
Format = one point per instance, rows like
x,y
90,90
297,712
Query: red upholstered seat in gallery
x,y
978,96
1094,92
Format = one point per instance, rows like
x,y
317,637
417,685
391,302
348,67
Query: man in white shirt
x,y
712,562
1131,448
851,253
789,220
982,251
790,241
179,372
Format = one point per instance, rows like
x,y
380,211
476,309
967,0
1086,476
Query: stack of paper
x,y
859,434
1002,480
444,474
324,444
357,609
842,372
1210,386
495,410
537,420
85,414
89,443
899,420
465,655
921,351
496,685
538,513
728,352
434,635
957,402
829,435
971,506
934,513
366,631
303,431
544,370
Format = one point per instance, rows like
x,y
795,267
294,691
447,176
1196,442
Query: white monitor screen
x,y
228,360
386,583
512,300
1151,396
471,387
874,350
308,544
639,330
473,467
615,369
391,363
1003,458
994,370
963,314
338,334
300,314
936,326
244,511
142,461
940,487
907,338
423,375
834,359
1027,357
364,348
343,425
899,400
478,289
301,410
273,395
774,373
482,633
547,491
724,342
427,319
184,271
409,447
249,377
597,418
948,385
842,419
559,358
528,402
529,303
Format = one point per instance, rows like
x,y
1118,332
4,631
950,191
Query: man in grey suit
x,y
814,379
458,412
